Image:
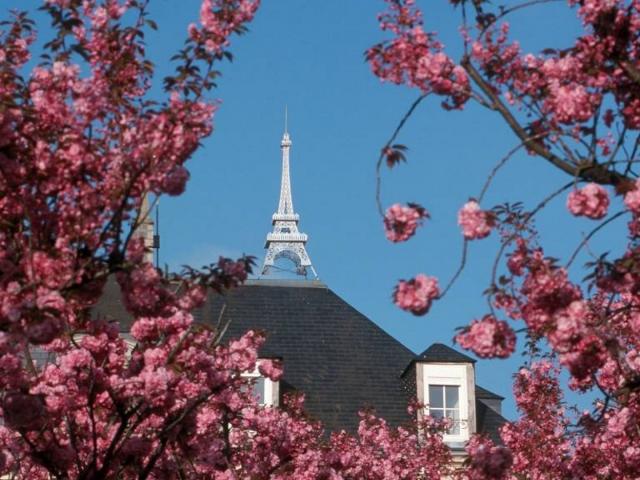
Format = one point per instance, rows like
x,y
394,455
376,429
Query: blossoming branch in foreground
x,y
417,294
475,222
591,201
400,222
488,338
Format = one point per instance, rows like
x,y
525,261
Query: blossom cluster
x,y
219,19
475,222
632,199
416,295
401,223
81,149
591,201
577,108
488,338
487,460
416,58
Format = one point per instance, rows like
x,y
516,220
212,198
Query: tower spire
x,y
285,241
286,129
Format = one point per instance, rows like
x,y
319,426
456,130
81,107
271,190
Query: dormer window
x,y
446,390
265,390
445,385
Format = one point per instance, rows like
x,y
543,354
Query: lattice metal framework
x,y
285,241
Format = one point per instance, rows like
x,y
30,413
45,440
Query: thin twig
x,y
494,171
586,239
220,332
592,172
527,219
503,161
507,11
406,116
463,262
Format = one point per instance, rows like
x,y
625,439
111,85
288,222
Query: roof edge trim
x,y
262,282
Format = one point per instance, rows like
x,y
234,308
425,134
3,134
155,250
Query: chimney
x,y
144,227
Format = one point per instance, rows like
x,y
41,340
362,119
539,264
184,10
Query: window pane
x,y
436,413
435,396
258,390
454,415
452,396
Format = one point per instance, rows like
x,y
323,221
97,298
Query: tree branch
x,y
592,172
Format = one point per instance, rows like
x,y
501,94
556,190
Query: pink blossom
x,y
518,258
156,386
155,357
488,338
400,222
591,201
194,297
175,182
50,271
475,222
570,326
487,460
416,58
570,103
417,294
632,199
270,369
144,329
81,144
218,23
49,299
585,357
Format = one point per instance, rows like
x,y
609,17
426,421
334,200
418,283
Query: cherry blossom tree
x,y
577,108
83,147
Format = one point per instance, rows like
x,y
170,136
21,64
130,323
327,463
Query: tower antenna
x,y
156,236
286,120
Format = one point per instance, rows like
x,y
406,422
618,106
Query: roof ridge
x,y
439,352
271,282
485,393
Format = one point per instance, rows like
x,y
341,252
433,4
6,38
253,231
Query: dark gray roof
x,y
340,359
336,356
439,352
484,393
111,306
489,421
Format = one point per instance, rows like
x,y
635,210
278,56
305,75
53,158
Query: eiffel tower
x,y
285,241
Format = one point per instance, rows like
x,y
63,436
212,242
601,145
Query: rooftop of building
x,y
336,356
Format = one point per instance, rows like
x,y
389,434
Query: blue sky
x,y
309,56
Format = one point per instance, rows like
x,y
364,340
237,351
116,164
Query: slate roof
x,y
441,353
489,421
335,355
484,393
340,359
111,307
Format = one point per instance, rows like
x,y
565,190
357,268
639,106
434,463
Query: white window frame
x,y
450,375
444,410
271,392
